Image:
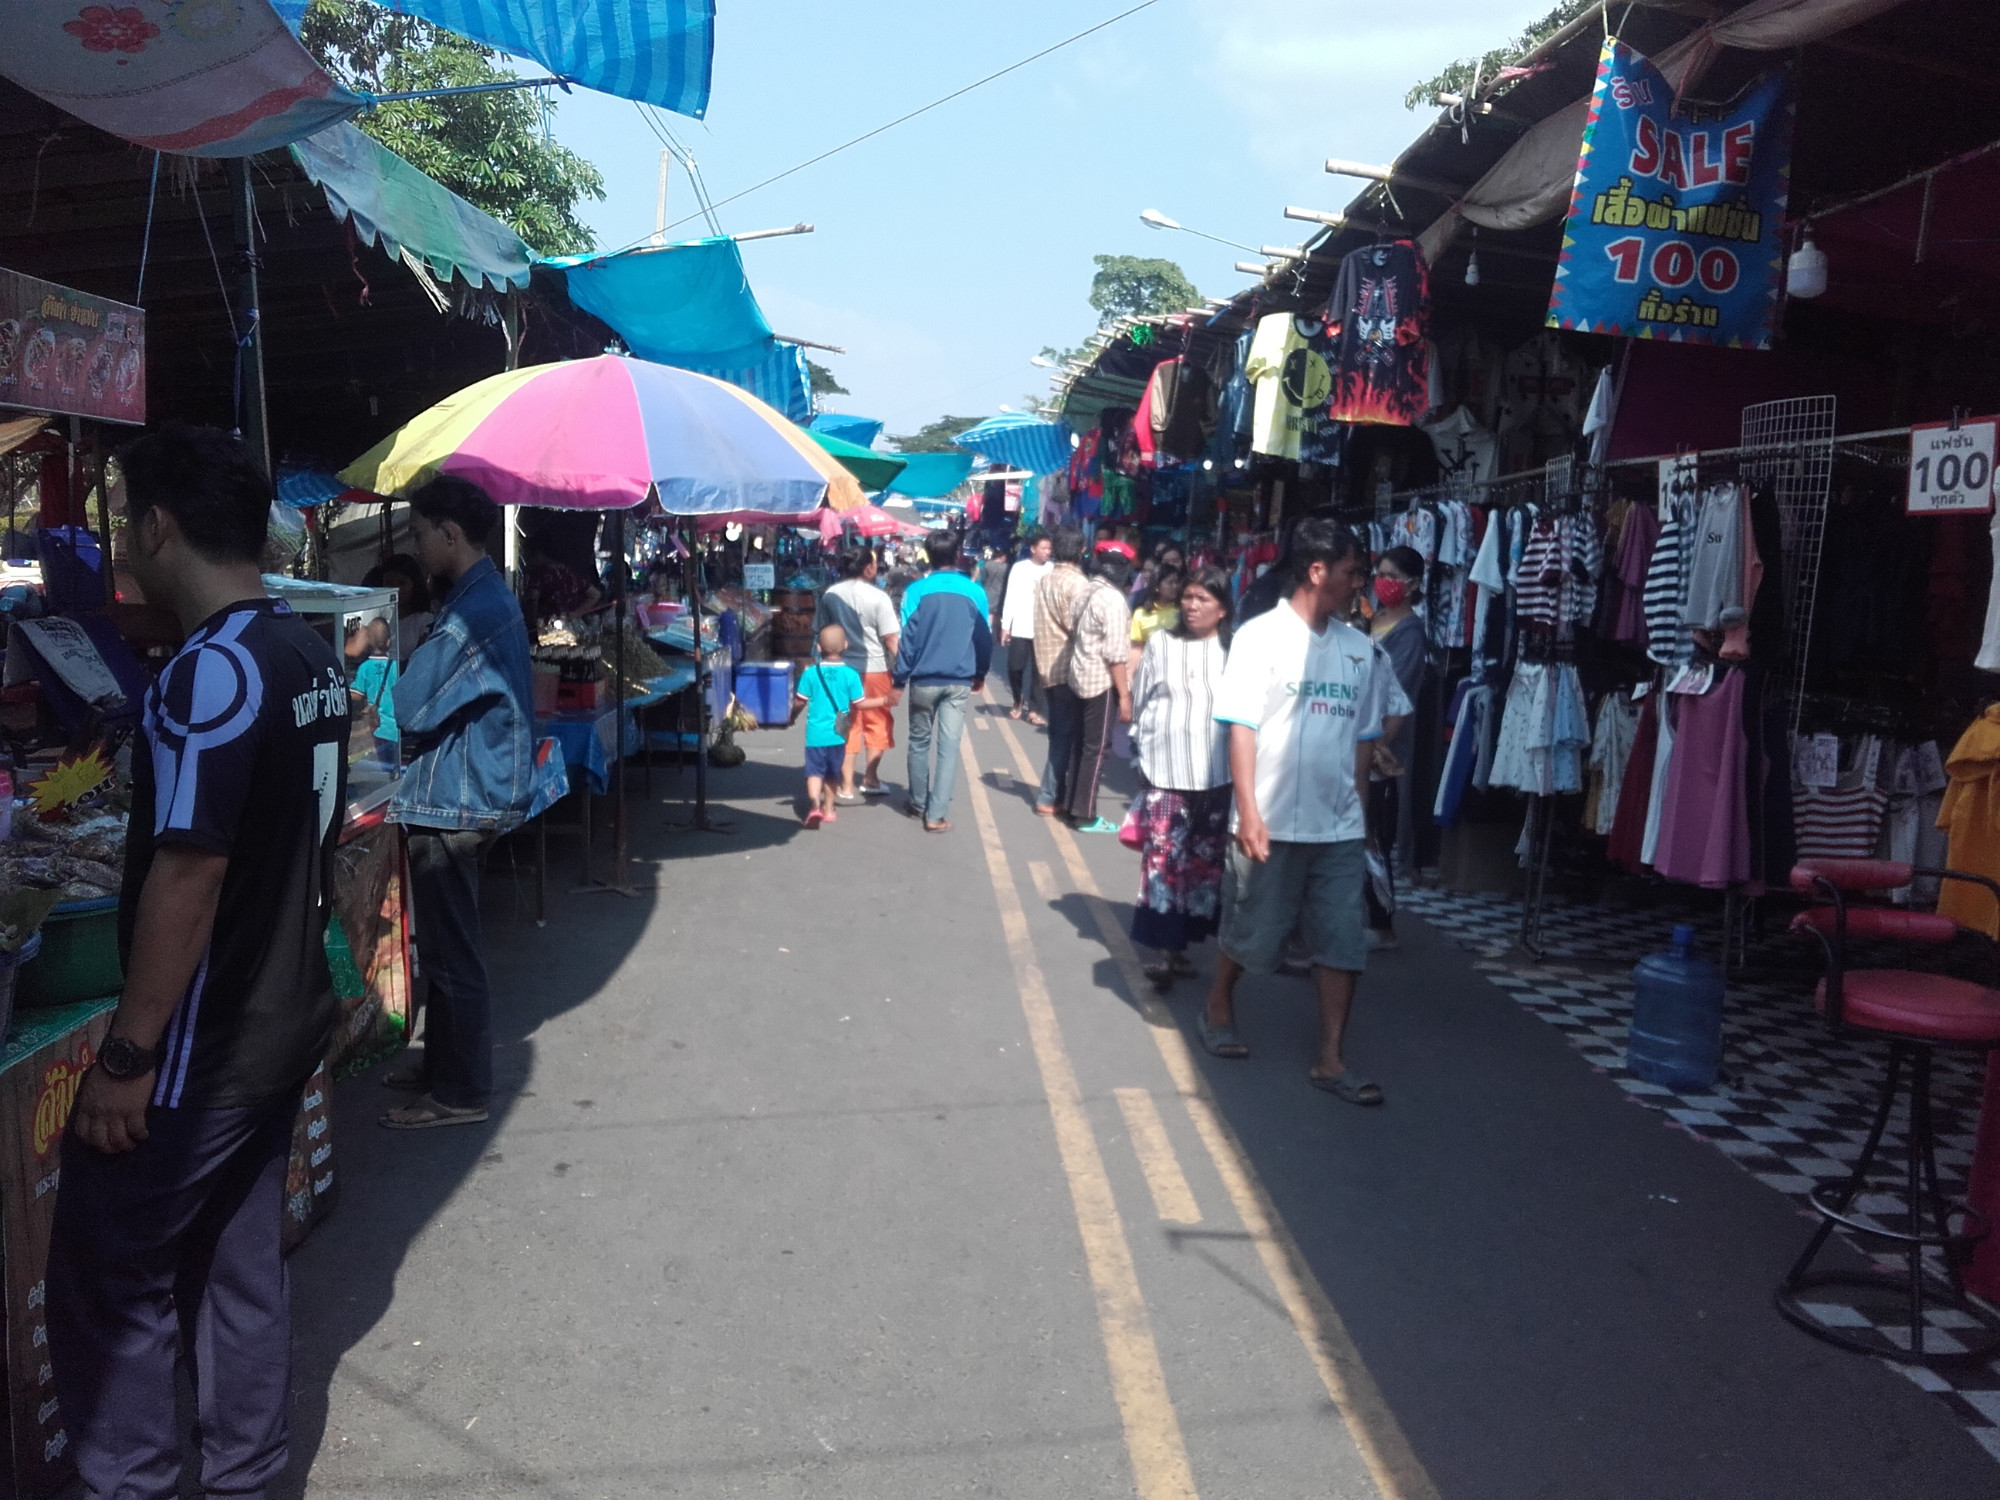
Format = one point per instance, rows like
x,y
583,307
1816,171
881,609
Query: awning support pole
x,y
255,415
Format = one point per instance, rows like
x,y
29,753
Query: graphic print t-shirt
x,y
1312,700
1290,378
244,753
1378,317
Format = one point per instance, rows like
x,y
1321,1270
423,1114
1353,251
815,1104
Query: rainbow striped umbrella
x,y
603,434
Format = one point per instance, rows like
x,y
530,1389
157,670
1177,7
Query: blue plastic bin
x,y
765,688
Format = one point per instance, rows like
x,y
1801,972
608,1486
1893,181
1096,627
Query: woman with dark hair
x,y
1183,753
1398,632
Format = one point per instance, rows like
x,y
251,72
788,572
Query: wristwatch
x,y
124,1059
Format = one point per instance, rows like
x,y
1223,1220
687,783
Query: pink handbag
x,y
1129,832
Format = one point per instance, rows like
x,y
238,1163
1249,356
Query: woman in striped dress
x,y
1182,813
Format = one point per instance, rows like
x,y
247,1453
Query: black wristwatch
x,y
124,1059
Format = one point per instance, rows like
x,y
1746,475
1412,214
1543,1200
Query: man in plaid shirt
x,y
1095,662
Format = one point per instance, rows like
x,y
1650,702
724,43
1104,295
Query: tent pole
x,y
620,881
700,822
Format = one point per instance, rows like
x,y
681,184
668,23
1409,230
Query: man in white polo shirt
x,y
1302,704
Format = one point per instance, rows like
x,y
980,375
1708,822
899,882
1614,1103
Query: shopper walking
x,y
945,651
1017,627
868,622
465,710
1299,697
1182,810
1096,669
166,1235
1058,597
1398,632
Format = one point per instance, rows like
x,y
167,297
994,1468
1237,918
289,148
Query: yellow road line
x,y
1173,1199
1044,879
1138,1384
1397,1471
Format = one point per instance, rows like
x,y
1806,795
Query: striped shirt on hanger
x,y
1175,735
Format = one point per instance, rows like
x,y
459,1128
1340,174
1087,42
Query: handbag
x,y
1130,833
843,719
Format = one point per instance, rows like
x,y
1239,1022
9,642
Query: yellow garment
x,y
1971,816
1146,621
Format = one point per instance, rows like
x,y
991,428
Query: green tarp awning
x,y
874,470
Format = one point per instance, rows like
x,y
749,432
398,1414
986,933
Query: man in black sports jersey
x,y
166,1240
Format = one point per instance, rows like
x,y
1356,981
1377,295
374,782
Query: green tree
x,y
935,437
1137,286
824,382
493,150
1458,78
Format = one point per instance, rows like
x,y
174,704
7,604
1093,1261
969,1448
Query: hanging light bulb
x,y
1805,272
1472,262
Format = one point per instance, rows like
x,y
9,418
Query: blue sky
x,y
951,249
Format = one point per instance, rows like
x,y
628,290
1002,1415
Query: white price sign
x,y
760,575
1951,469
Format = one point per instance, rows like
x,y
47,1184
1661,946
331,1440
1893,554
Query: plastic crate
x,y
765,688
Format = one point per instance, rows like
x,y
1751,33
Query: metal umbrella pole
x,y
700,822
620,858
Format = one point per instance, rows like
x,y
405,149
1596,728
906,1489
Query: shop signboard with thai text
x,y
1676,222
66,352
1951,468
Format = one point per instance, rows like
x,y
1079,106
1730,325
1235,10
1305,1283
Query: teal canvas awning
x,y
931,474
876,471
688,305
411,216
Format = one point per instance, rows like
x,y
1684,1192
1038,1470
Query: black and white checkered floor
x,y
1793,1104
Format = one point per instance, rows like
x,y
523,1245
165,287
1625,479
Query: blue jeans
x,y
937,714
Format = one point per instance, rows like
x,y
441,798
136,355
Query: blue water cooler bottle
x,y
1676,1037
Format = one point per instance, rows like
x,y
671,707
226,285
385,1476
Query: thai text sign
x,y
1676,223
69,352
1951,469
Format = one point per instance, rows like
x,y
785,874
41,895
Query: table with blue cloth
x,y
587,738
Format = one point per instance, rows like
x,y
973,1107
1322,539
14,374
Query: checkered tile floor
x,y
1793,1104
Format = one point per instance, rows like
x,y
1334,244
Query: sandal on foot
x,y
1182,968
1347,1086
911,810
1221,1041
1038,721
938,827
1161,974
814,818
877,790
428,1114
1044,812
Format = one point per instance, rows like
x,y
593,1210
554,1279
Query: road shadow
x,y
392,1184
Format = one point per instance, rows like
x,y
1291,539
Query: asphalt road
x,y
856,1164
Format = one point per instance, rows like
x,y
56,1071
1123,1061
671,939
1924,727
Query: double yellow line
x,y
1153,1438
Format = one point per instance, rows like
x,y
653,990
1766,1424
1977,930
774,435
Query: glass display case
x,y
360,625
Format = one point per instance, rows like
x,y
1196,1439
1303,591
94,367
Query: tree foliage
x,y
935,437
493,150
1458,78
824,381
1136,286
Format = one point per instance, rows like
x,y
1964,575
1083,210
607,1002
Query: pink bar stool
x,y
1915,1013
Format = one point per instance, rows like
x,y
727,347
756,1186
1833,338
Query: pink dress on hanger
x,y
1705,814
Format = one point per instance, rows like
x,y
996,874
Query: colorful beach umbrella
x,y
603,434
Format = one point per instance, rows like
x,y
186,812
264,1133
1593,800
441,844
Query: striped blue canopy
x,y
1020,441
656,51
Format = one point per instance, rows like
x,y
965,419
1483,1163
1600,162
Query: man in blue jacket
x,y
465,711
942,658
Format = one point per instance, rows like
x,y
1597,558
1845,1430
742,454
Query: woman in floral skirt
x,y
1182,815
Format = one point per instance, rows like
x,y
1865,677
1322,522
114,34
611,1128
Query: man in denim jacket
x,y
465,710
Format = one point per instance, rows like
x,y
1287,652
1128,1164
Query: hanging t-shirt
x,y
1308,695
1377,317
1465,450
1289,377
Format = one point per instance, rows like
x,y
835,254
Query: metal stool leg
x,y
1861,1165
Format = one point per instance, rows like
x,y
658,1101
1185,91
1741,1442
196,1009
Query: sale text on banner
x,y
1951,468
1676,223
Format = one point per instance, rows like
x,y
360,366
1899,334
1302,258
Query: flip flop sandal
x,y
937,827
911,810
1161,975
848,798
878,790
1044,812
1038,721
428,1114
1221,1041
1347,1086
814,818
1182,968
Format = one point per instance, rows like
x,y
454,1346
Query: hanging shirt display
x,y
1465,451
1378,317
1289,376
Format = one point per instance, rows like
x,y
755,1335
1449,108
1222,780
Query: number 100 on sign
x,y
1951,469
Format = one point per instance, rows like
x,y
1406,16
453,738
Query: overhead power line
x,y
924,110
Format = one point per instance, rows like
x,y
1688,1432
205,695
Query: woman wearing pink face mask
x,y
1398,632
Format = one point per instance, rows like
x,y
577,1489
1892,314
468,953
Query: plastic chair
x,y
1915,1013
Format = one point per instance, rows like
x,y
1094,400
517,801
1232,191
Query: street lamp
x,y
1041,362
1152,218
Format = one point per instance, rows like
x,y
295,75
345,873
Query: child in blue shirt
x,y
828,688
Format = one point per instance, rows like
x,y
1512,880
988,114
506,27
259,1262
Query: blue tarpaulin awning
x,y
1022,441
931,474
656,51
411,216
861,430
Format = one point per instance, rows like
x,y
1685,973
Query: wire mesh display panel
x,y
1790,444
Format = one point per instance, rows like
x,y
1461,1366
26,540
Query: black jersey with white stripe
x,y
244,753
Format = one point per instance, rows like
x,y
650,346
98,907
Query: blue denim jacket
x,y
465,710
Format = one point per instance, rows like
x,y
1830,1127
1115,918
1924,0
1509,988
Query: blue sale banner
x,y
1676,224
